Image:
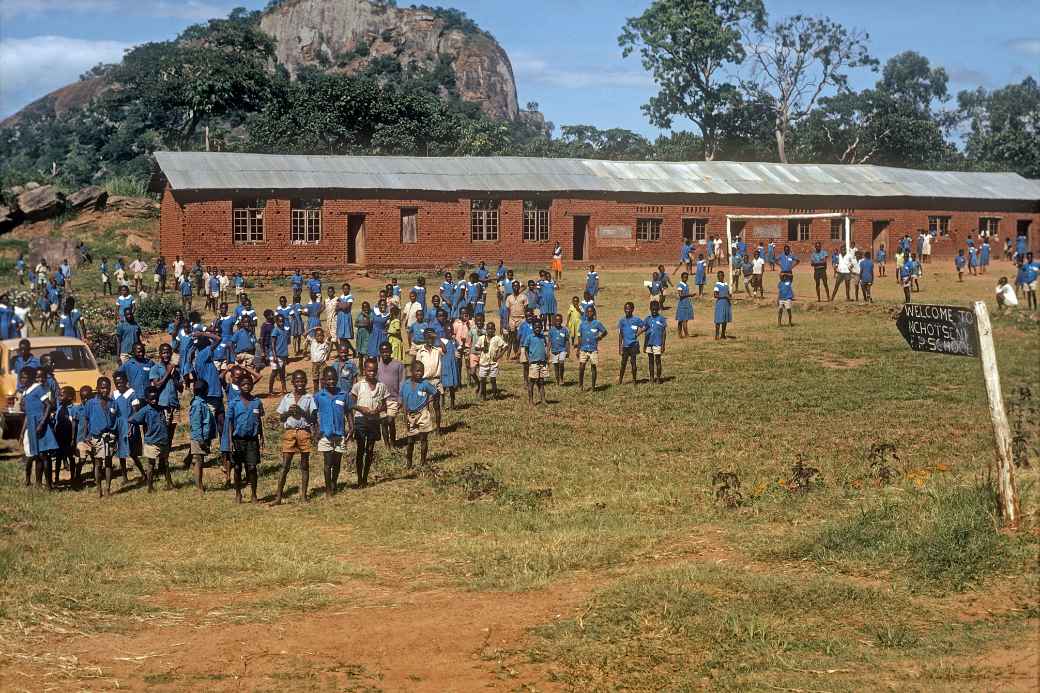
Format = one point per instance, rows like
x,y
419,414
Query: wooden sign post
x,y
962,332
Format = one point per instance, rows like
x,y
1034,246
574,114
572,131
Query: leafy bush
x,y
156,312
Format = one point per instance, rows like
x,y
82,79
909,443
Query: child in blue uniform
x,y
590,333
958,264
99,415
881,260
559,347
629,329
335,424
155,450
655,330
684,303
536,349
37,436
246,415
700,277
592,282
417,397
344,318
784,298
723,306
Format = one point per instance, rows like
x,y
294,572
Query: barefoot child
x,y
590,333
489,347
203,429
537,357
684,305
246,415
335,426
785,298
297,413
958,264
655,330
99,415
559,346
37,434
155,450
418,395
391,373
370,397
319,349
629,329
723,306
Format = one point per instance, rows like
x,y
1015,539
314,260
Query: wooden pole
x,y
848,235
1007,493
729,251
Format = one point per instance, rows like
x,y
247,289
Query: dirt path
x,y
436,640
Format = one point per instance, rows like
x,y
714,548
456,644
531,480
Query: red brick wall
x,y
204,230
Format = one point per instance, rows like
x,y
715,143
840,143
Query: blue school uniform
x,y
416,396
785,290
314,286
296,320
881,256
592,283
482,273
536,348
786,264
206,371
21,362
479,306
723,309
700,273
226,327
438,329
185,287
629,329
345,318
584,306
231,395
684,253
33,404
333,408
417,330
523,332
1021,246
286,313
378,336
656,326
684,309
559,337
420,296
959,262
296,282
125,431
243,341
122,303
984,255
64,427
168,395
346,375
128,334
547,297
448,298
866,271
202,423
245,417
153,422
771,253
137,374
589,334
10,325
500,272
473,293
99,417
973,260
449,364
313,311
280,342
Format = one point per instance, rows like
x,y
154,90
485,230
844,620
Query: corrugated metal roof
x,y
224,171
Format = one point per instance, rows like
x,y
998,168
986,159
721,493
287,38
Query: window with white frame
x,y
306,222
989,226
837,229
695,229
483,220
939,225
648,229
536,220
248,221
799,229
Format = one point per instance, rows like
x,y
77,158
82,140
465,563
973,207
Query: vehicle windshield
x,y
64,358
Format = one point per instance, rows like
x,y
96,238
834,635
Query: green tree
x,y
1003,127
688,46
798,61
209,72
590,142
896,123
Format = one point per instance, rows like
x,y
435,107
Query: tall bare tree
x,y
797,61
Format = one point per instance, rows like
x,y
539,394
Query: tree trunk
x,y
781,149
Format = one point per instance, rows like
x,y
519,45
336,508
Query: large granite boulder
x,y
89,198
41,203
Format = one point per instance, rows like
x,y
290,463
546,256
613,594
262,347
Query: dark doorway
x,y
688,228
581,231
355,239
1022,228
879,234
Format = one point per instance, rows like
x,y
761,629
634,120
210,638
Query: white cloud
x,y
967,75
179,9
1025,46
537,70
32,67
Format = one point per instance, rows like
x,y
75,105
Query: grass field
x,y
586,545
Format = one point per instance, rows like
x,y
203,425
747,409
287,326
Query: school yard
x,y
590,544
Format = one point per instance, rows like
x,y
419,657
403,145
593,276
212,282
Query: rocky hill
x,y
347,35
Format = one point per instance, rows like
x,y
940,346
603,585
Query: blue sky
x,y
564,52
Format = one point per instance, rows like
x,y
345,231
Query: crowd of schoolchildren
x,y
358,383
355,389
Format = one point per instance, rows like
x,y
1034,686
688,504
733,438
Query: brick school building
x,y
269,214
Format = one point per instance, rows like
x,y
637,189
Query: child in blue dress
x,y
684,304
723,306
37,436
700,277
881,260
380,321
450,379
344,318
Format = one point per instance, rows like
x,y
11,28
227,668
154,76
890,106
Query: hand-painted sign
x,y
615,236
939,329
